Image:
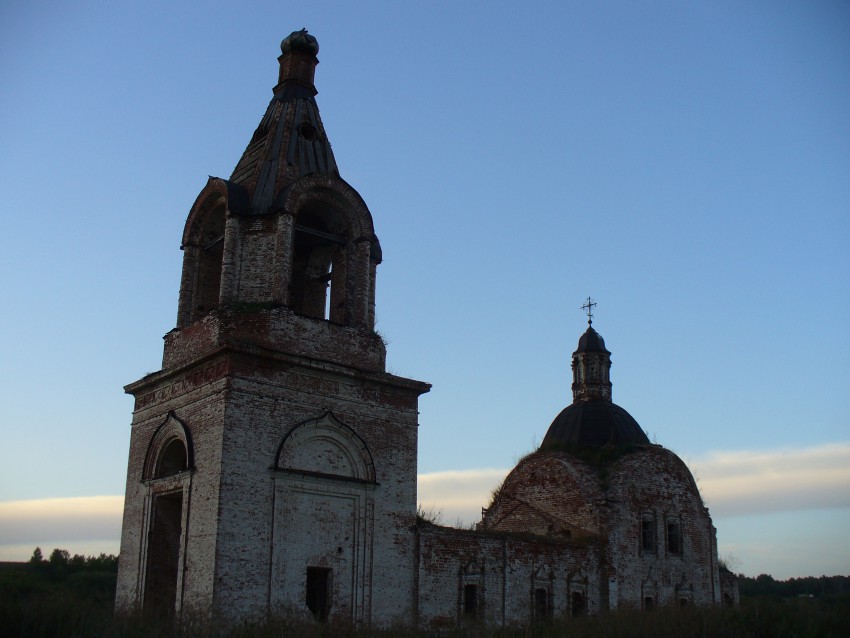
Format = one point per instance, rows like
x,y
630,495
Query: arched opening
x,y
319,264
210,247
172,459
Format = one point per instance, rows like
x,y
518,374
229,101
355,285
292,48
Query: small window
x,y
674,538
541,604
683,602
318,592
578,606
470,600
647,535
648,603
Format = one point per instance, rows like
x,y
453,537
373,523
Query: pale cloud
x,y
458,495
734,484
743,483
79,524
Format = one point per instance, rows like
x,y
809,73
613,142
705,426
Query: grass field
x,y
65,597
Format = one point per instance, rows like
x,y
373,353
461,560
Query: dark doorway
x,y
318,592
163,554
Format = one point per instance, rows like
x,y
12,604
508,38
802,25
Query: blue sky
x,y
687,164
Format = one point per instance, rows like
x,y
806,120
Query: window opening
x,y
577,604
172,460
210,259
541,603
470,600
648,603
648,535
674,538
318,263
328,298
318,592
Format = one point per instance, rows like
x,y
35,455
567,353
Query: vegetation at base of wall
x,y
73,597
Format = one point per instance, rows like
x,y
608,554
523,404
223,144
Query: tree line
x,y
809,586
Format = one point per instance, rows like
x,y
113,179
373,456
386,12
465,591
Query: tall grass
x,y
68,616
40,600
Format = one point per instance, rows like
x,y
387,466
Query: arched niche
x,y
326,447
170,450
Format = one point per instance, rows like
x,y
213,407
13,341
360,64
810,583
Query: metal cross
x,y
588,308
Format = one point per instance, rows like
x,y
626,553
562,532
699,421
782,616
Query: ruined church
x,y
273,459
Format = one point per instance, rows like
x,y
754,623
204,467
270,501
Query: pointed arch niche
x,y
167,475
324,512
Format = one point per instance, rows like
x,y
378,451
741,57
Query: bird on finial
x,y
300,41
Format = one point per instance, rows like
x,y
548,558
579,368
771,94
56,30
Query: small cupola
x,y
591,364
298,59
592,419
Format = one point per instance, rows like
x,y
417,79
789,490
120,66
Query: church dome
x,y
300,41
591,341
593,424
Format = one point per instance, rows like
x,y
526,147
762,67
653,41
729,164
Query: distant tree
x,y
59,557
37,557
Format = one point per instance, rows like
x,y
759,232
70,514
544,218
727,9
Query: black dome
x,y
593,424
591,341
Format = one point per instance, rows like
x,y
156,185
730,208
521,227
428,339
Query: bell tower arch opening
x,y
203,246
318,287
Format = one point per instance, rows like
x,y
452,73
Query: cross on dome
x,y
588,307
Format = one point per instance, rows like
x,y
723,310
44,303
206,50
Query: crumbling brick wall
x,y
507,571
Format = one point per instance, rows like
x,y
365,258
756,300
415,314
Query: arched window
x,y
319,262
210,257
169,451
172,459
203,255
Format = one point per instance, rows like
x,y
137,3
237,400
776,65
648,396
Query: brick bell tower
x,y
273,460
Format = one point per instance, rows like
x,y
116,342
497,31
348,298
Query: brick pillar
x,y
191,257
373,273
362,293
282,259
